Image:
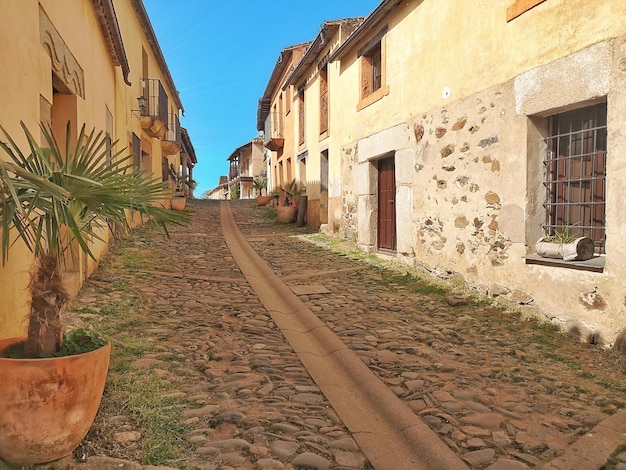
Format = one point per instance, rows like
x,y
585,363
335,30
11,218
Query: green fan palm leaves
x,y
51,198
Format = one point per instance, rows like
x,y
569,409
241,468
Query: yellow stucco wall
x,y
469,46
27,76
26,95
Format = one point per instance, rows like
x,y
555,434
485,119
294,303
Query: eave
x,y
105,11
146,25
240,149
187,145
283,61
327,31
372,21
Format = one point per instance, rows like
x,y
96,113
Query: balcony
x,y
274,138
154,118
171,143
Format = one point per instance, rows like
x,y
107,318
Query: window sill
x,y
323,135
373,97
595,264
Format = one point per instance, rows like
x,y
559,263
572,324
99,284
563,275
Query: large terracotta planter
x,y
48,405
178,203
287,214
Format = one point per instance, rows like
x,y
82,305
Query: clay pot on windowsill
x,y
580,249
48,405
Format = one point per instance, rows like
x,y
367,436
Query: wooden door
x,y
386,204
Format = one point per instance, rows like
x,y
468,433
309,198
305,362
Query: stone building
x,y
245,163
96,62
312,79
276,118
463,132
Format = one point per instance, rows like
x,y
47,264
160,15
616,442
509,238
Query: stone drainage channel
x,y
387,431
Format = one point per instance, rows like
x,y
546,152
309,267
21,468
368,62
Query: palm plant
x,y
51,199
260,183
292,191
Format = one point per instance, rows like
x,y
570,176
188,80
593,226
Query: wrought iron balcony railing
x,y
173,129
156,99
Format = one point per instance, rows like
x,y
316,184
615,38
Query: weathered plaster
x,y
576,78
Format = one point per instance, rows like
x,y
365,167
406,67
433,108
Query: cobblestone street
x,y
501,392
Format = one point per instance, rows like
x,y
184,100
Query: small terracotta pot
x,y
178,203
48,405
263,200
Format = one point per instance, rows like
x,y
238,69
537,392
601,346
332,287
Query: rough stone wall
x,y
461,165
348,227
478,194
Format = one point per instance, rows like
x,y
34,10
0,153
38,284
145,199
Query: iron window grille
x,y
575,174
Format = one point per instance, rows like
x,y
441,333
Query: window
x,y
575,173
165,170
109,135
372,71
136,146
372,58
301,115
281,113
323,100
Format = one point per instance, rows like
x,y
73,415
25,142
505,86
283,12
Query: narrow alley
x,y
250,386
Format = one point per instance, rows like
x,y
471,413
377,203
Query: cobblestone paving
x,y
252,405
484,380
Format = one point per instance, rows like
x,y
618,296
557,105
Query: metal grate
x,y
575,174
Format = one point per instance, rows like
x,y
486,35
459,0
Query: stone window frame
x,y
538,137
368,55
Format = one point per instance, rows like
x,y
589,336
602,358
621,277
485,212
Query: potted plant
x,y
51,199
260,183
289,194
178,201
565,245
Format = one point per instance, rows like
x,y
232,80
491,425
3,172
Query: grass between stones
x,y
136,400
137,420
532,335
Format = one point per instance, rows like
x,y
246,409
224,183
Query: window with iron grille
x,y
575,174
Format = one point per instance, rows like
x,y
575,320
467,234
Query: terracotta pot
x,y
263,200
287,214
48,405
580,249
178,203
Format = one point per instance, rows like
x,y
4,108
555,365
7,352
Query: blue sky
x,y
221,55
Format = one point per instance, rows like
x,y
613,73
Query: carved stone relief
x,y
68,76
